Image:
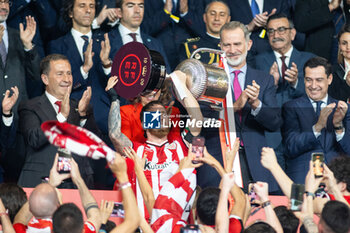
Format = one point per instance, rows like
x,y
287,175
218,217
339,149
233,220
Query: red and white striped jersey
x,y
161,163
172,206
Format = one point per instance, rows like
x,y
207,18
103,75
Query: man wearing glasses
x,y
285,63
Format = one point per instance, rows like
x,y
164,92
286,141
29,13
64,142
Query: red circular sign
x,y
130,70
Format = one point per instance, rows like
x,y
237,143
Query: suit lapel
x,y
248,81
146,41
72,51
46,108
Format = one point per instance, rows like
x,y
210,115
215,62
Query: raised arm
x,y
187,100
132,216
5,220
88,201
261,189
145,187
221,216
269,161
119,140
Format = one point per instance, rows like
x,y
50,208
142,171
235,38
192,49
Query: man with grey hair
x,y
285,63
254,104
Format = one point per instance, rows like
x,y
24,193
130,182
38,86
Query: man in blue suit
x,y
255,106
131,14
83,49
285,63
315,122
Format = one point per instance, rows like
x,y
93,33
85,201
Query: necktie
x,y
3,53
318,108
236,87
237,91
133,36
255,8
284,67
58,103
86,43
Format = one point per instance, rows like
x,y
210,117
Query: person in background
x,y
215,16
340,86
307,118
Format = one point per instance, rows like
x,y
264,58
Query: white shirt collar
x,y
288,54
124,31
215,37
324,100
52,100
77,35
4,24
80,41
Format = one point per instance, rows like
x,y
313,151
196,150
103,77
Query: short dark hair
x,y
13,197
68,218
340,166
336,215
319,61
208,5
45,62
206,205
260,227
287,219
280,16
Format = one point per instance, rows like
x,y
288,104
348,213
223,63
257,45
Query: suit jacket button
x,y
5,76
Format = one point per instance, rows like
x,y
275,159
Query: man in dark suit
x,y
216,15
254,105
315,19
315,122
130,21
285,63
8,127
19,64
83,49
54,104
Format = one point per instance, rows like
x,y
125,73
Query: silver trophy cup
x,y
207,83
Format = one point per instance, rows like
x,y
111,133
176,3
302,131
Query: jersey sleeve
x,y
89,227
235,225
19,228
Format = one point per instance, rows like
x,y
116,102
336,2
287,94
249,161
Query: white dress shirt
x,y
278,56
59,116
323,105
241,80
79,42
126,38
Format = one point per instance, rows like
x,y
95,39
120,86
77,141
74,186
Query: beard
x,y
159,133
237,61
3,18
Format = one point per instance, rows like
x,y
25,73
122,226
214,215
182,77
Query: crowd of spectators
x,y
287,63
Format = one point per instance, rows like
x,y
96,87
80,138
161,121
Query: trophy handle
x,y
208,50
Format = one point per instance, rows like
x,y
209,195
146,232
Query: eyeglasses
x,y
6,2
280,30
